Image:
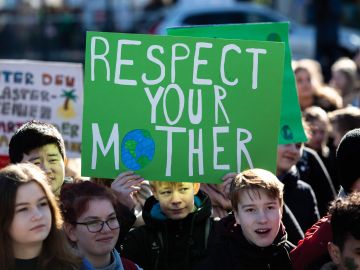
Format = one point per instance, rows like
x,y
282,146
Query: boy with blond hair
x,y
253,237
177,228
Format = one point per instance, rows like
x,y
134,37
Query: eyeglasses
x,y
95,226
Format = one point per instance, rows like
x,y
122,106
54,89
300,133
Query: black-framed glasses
x,y
95,226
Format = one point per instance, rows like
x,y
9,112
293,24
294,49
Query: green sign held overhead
x,y
291,129
179,109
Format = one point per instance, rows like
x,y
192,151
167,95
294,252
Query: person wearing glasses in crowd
x,y
92,225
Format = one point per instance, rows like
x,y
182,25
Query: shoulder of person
x,y
129,265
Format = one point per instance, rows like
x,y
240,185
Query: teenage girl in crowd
x,y
92,224
30,222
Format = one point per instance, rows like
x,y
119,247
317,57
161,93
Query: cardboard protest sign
x,y
179,109
46,91
291,129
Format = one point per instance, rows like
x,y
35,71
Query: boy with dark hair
x,y
344,250
347,162
40,143
311,252
177,228
253,237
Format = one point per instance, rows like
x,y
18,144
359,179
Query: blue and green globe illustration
x,y
137,149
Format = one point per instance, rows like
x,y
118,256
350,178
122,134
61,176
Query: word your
x,y
195,118
113,142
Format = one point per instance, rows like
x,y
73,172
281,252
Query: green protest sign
x,y
179,108
291,129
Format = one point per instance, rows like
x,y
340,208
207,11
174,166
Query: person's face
x,y
349,257
49,159
95,244
319,135
303,83
287,156
176,201
32,220
259,217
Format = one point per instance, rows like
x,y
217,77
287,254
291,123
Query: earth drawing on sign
x,y
137,149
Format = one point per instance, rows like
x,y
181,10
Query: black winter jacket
x,y
300,198
165,244
231,250
313,171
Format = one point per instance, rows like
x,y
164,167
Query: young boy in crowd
x,y
345,223
253,237
40,143
311,252
177,228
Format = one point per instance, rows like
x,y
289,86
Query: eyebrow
x,y
252,205
49,155
94,217
26,203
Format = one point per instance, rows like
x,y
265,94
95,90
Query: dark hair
x,y
255,180
345,219
75,198
347,159
31,135
54,254
345,119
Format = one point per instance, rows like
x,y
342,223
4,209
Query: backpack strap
x,y
128,265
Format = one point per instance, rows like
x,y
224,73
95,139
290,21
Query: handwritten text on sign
x,y
200,100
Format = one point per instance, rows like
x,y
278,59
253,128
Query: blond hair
x,y
156,184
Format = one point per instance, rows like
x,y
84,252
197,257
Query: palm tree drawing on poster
x,y
67,110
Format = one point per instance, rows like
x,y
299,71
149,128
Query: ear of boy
x,y
334,252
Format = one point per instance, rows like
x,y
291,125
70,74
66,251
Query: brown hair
x,y
345,218
255,180
54,254
345,119
75,198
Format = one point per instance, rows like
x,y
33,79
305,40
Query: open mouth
x,y
262,231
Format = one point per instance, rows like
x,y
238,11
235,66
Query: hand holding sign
x,y
125,186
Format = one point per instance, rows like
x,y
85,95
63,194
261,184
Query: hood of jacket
x,y
290,178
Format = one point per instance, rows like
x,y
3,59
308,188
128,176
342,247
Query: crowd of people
x,y
305,216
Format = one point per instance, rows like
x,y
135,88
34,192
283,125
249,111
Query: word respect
x,y
100,53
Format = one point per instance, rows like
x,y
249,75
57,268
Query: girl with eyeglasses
x,y
92,225
31,235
